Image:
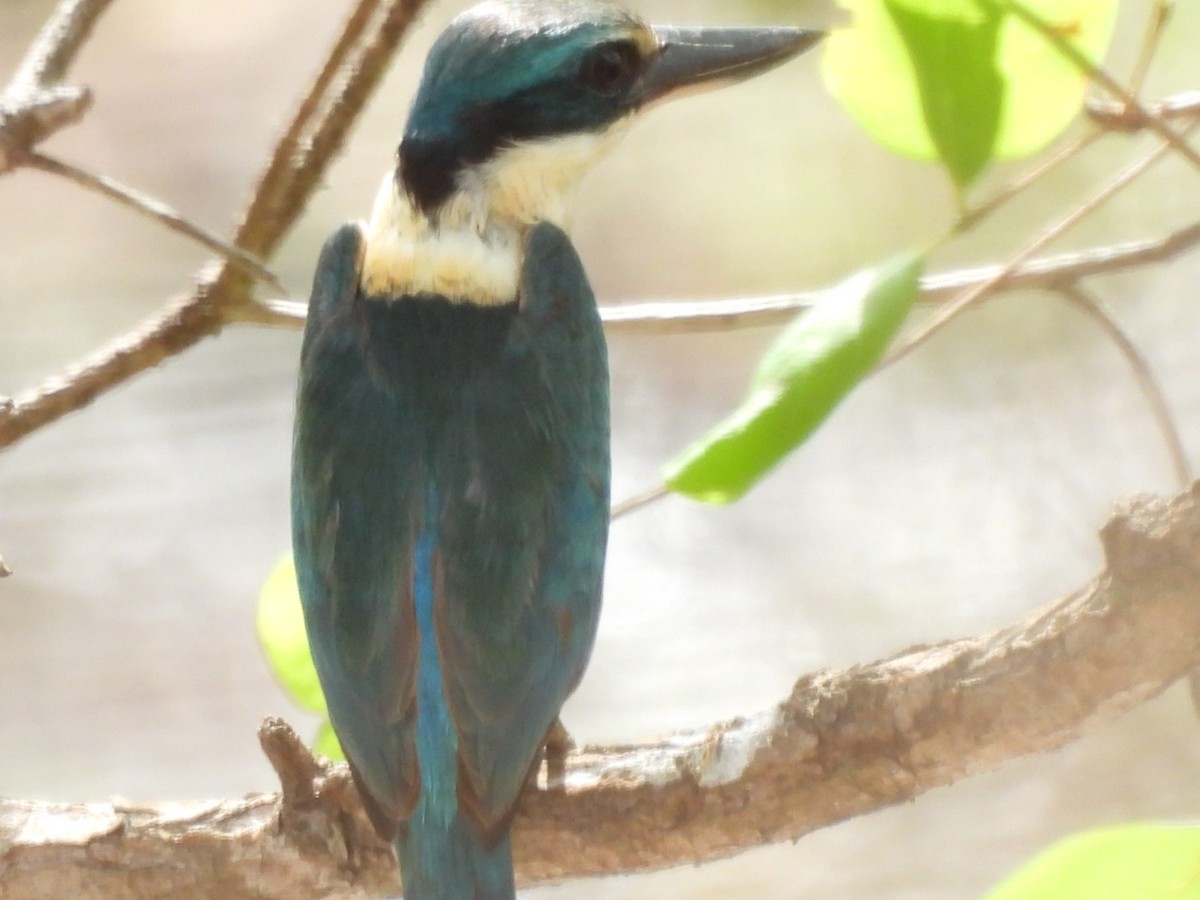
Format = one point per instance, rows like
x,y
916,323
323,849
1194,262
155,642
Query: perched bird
x,y
450,483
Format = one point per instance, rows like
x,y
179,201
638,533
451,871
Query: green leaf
x,y
805,374
962,81
280,624
1044,88
327,743
962,111
1130,862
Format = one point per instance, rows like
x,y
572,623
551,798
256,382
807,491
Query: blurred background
x,y
949,496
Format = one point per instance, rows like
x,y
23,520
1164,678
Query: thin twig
x,y
1154,32
278,201
177,326
1116,116
1151,390
978,292
285,190
156,210
1069,288
693,316
267,204
975,214
29,117
1101,76
638,501
318,93
34,105
376,57
59,41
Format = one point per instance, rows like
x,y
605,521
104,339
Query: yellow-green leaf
x,y
808,370
281,633
327,743
963,81
1130,862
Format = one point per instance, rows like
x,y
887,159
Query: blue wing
x,y
450,512
522,544
353,528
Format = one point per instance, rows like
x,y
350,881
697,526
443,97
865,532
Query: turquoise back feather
x,y
450,510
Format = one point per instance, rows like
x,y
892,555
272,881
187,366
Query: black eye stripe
x,y
610,66
585,98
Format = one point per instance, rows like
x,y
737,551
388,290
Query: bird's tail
x,y
453,863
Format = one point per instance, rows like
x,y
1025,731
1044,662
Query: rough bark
x,y
844,743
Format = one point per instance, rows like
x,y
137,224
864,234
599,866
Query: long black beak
x,y
694,57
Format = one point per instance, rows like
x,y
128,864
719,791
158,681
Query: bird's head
x,y
520,97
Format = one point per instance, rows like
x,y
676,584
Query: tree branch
x,y
154,209
60,40
1101,76
1116,116
685,316
1151,390
359,58
1151,40
185,321
974,295
35,105
317,132
844,743
323,119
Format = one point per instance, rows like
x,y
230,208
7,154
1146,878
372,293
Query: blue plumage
x,y
450,482
449,535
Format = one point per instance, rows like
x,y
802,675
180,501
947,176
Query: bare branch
x,y
1065,268
1061,274
1148,384
1102,77
306,149
1159,17
61,38
639,500
846,742
685,316
179,325
1116,116
290,177
268,201
156,210
30,117
35,105
977,293
1025,179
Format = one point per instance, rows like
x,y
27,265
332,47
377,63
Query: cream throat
x,y
470,249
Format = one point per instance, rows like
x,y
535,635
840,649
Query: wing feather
x,y
507,415
523,535
353,533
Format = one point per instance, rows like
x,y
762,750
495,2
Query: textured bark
x,y
845,742
353,69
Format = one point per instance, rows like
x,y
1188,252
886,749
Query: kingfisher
x,y
450,464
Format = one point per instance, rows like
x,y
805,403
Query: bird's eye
x,y
609,67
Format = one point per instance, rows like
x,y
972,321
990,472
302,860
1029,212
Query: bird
x,y
450,458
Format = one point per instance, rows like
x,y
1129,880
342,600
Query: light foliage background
x,y
946,497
